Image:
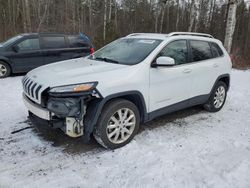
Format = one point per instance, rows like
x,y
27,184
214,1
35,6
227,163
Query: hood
x,y
75,71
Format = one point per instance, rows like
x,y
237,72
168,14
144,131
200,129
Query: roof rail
x,y
136,34
133,34
190,33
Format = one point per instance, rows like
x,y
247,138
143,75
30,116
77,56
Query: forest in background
x,y
106,20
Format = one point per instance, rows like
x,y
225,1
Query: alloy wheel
x,y
219,97
3,70
121,125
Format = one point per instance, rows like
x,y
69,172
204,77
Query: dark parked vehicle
x,y
30,50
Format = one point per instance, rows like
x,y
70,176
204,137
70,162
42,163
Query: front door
x,y
171,85
27,55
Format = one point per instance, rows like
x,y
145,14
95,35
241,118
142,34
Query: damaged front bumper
x,y
35,109
64,113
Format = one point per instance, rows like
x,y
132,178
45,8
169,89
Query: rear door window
x,y
200,50
29,44
52,42
77,42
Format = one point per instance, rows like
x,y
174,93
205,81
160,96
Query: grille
x,y
31,89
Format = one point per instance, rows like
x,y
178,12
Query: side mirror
x,y
164,62
15,48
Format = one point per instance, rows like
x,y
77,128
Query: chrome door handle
x,y
215,65
187,71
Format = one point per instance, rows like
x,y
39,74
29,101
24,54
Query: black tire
x,y
100,132
210,105
6,67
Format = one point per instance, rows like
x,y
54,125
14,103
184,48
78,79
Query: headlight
x,y
76,88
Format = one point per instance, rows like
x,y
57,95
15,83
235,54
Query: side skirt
x,y
178,106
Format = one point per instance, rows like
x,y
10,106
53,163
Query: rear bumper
x,y
36,109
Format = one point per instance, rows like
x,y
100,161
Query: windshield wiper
x,y
107,60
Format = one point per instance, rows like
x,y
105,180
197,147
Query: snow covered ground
x,y
191,148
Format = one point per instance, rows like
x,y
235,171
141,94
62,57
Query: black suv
x,y
30,50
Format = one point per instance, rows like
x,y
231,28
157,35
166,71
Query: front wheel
x,y
217,98
4,70
118,124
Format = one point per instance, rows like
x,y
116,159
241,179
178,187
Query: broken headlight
x,y
65,107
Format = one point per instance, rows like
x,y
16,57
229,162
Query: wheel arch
x,y
96,106
209,106
224,78
5,60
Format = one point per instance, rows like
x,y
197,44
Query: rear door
x,y
205,67
27,55
53,47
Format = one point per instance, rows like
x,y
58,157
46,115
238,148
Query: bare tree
x,y
231,22
177,15
104,20
211,9
43,16
197,10
90,14
110,10
107,20
193,15
163,9
157,14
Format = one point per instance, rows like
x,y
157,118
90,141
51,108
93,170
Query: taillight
x,y
92,50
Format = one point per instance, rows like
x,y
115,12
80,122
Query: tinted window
x,y
76,42
200,50
216,50
176,50
53,42
127,51
29,44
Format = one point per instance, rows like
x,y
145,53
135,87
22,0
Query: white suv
x,y
128,82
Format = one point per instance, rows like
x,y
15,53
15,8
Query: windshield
x,y
127,51
11,40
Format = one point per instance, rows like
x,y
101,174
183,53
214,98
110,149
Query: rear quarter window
x,y
77,42
216,50
51,42
200,50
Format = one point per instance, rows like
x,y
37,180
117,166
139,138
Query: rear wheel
x,y
4,70
217,98
118,124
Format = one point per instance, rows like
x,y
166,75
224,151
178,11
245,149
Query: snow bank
x,y
191,148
